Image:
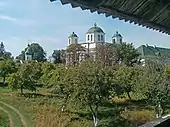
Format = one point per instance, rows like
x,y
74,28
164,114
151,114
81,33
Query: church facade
x,y
94,38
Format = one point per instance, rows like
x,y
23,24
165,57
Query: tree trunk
x,y
128,93
21,89
94,113
4,78
95,120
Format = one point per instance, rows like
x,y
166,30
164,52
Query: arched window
x,y
69,41
102,39
114,41
120,40
88,37
76,41
98,37
91,37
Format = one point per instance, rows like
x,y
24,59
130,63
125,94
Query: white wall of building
x,y
95,37
72,40
117,40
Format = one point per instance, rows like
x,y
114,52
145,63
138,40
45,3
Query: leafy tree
x,y
26,77
21,56
37,52
47,71
106,53
3,54
158,86
127,54
57,56
63,82
127,78
73,54
92,87
6,67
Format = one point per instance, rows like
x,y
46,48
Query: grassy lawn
x,y
4,120
42,111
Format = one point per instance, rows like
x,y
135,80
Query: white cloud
x,y
8,18
18,21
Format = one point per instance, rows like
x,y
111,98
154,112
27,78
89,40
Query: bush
x,y
138,118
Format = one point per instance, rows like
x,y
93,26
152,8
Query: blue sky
x,y
49,24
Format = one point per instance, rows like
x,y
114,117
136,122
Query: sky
x,y
50,24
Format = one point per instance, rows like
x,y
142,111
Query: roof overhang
x,y
152,14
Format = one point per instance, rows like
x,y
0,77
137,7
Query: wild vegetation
x,y
103,93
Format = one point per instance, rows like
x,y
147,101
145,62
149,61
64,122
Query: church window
x,y
120,40
98,37
69,41
76,40
102,38
88,37
114,41
91,37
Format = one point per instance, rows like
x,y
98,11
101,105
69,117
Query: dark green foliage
x,y
127,54
36,51
6,67
57,56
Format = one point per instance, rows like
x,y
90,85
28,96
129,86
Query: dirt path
x,y
22,118
11,124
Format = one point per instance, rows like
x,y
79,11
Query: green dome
x,y
95,29
73,35
117,34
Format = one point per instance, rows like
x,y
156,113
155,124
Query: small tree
x,y
127,78
62,83
26,77
92,87
127,54
6,67
73,54
158,84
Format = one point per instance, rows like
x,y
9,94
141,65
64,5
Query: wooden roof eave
x,y
101,9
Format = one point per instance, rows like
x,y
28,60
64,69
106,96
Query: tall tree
x,y
74,52
6,67
92,87
106,53
127,54
158,86
57,56
26,77
37,52
127,78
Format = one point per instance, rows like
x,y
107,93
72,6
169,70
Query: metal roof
x,y
152,14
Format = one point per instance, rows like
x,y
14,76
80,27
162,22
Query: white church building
x,y
94,37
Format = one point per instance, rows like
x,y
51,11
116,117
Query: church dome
x,y
117,34
95,29
73,35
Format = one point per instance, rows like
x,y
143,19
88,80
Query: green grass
x,y
75,116
15,117
4,120
4,90
24,106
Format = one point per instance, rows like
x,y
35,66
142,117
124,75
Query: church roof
x,y
73,35
95,29
117,34
147,51
152,14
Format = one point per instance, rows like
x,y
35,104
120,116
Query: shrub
x,y
138,118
